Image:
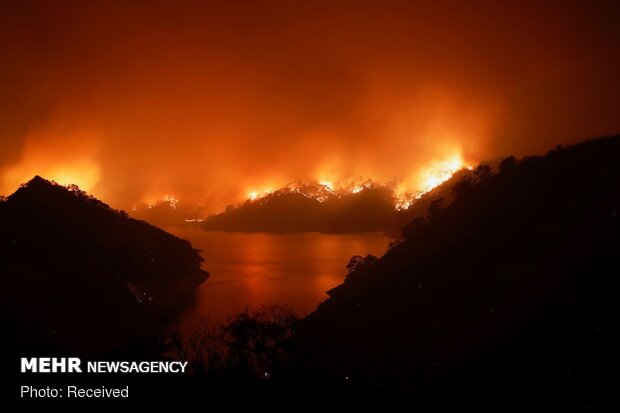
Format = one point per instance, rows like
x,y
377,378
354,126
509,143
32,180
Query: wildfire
x,y
430,178
328,184
172,201
67,158
439,172
166,199
254,195
85,178
85,175
404,201
321,190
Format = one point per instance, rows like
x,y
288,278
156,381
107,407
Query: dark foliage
x,y
79,276
254,344
168,213
419,209
508,164
508,296
357,262
502,295
371,209
278,212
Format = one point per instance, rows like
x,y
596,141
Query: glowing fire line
x,y
429,179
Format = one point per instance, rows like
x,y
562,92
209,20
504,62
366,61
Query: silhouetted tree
x,y
508,164
414,226
436,208
206,347
256,340
86,261
520,277
358,262
531,159
254,343
463,186
482,172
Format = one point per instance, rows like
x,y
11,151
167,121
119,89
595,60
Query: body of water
x,y
255,269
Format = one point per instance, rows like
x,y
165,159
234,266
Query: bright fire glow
x,y
85,177
439,172
67,158
404,201
83,174
428,179
253,195
169,199
328,184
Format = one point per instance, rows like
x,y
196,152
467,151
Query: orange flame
x,y
428,179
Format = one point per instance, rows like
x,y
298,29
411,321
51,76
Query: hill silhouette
x,y
507,296
168,213
277,212
79,276
308,209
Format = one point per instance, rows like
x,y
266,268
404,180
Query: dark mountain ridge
x,y
371,209
311,209
79,275
508,295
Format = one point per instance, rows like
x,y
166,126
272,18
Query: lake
x,y
255,269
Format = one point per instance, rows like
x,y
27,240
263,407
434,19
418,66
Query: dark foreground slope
x,y
81,277
509,295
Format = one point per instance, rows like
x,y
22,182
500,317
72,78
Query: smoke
x,y
207,101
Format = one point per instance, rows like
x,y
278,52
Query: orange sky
x,y
207,100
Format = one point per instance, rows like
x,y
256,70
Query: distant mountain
x,y
308,207
507,296
79,276
168,212
311,208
